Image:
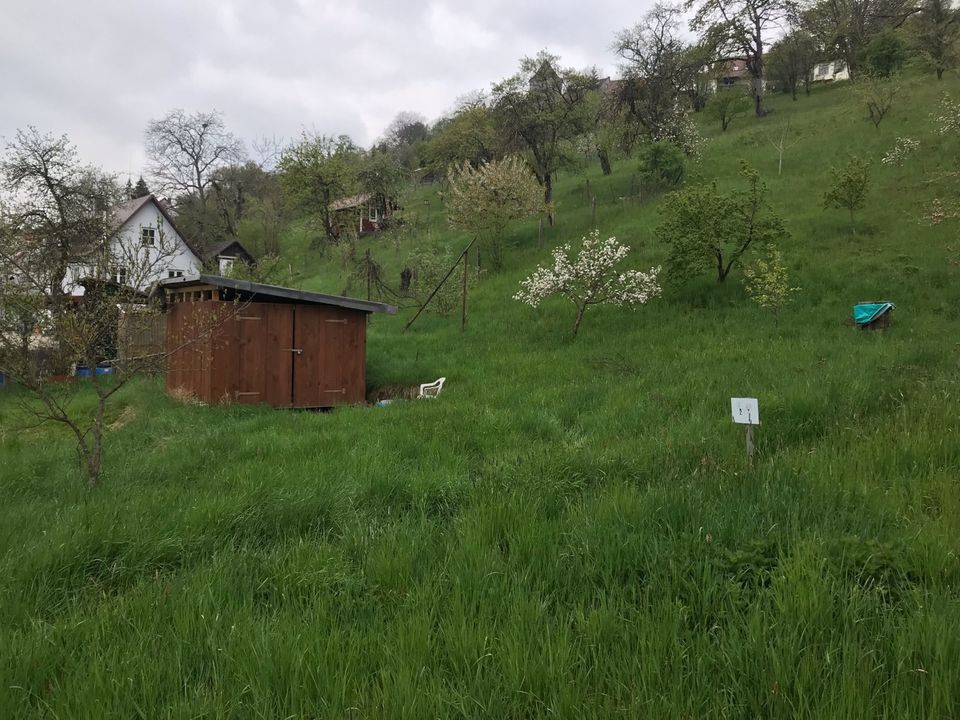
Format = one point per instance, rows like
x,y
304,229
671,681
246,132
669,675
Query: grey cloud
x,y
100,70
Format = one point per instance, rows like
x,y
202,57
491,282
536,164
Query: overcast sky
x,y
99,70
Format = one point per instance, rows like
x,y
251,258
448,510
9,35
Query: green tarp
x,y
866,313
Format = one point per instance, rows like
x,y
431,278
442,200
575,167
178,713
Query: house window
x,y
174,273
120,275
148,236
374,213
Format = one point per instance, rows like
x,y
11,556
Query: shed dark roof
x,y
276,293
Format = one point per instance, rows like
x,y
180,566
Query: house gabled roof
x,y
125,211
274,293
736,68
609,87
350,202
235,248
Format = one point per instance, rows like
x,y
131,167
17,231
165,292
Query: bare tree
x,y
185,150
739,29
878,94
67,274
267,152
406,128
59,200
781,142
658,69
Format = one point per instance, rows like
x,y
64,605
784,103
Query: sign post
x,y
746,412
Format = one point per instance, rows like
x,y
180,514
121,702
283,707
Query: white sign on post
x,y
746,411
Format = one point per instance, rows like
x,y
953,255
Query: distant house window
x,y
148,236
374,213
174,273
120,275
226,264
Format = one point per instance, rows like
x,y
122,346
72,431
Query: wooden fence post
x,y
369,271
463,316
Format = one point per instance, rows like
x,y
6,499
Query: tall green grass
x,y
571,529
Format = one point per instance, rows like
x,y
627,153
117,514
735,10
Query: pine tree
x,y
140,189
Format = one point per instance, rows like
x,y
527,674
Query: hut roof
x,y
353,201
275,293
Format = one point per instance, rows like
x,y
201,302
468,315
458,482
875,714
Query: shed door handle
x,y
342,321
341,391
298,351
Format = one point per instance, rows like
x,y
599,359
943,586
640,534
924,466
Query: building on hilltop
x,y
144,247
361,213
830,71
225,254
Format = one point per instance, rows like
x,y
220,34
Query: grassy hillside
x,y
571,530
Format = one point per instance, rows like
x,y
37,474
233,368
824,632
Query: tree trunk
x,y
758,103
92,449
548,197
463,314
939,73
756,71
366,262
721,270
604,161
581,309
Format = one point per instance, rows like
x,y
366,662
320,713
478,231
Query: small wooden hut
x,y
238,341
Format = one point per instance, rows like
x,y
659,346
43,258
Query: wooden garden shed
x,y
237,341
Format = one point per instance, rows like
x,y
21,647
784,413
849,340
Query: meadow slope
x,y
571,530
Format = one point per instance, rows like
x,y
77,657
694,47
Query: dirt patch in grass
x,y
126,417
393,392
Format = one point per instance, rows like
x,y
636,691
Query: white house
x,y
144,247
229,252
829,71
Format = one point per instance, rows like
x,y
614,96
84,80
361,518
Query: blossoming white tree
x,y
897,155
590,278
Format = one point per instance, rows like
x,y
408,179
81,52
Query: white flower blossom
x,y
900,150
681,130
590,278
947,118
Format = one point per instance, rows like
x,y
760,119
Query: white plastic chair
x,y
431,390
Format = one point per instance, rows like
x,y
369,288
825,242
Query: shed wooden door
x,y
264,350
330,367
